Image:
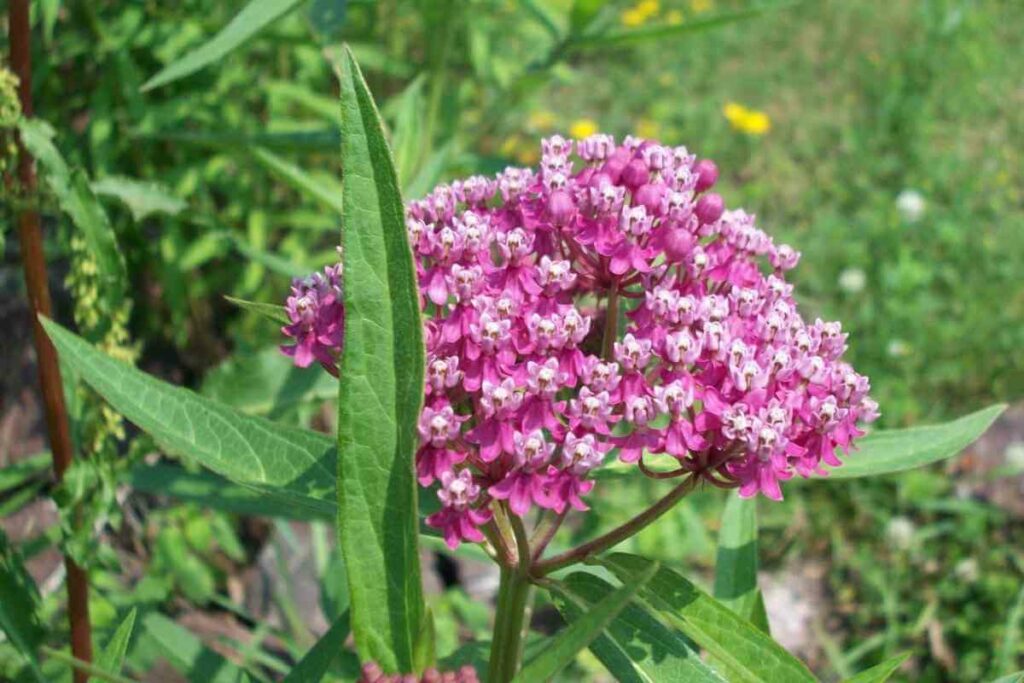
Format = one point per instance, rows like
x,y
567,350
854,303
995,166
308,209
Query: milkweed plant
x,y
510,344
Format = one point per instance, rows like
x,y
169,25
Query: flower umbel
x,y
526,280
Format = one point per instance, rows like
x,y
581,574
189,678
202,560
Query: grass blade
x,y
880,672
253,18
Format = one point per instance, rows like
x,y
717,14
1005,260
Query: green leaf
x,y
635,647
1017,677
217,493
267,383
253,18
880,672
407,131
381,391
655,32
111,659
566,645
582,13
274,312
19,473
186,652
314,664
141,197
760,616
329,197
425,654
75,197
19,604
736,563
1011,635
290,92
291,465
746,653
903,449
295,140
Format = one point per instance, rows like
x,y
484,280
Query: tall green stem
x,y
507,641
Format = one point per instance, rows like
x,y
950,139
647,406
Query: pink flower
x,y
317,320
531,385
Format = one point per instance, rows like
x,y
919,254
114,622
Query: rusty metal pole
x,y
34,262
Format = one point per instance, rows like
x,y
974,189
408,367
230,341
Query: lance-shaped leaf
x,y
315,663
328,196
253,18
880,672
273,312
878,453
635,647
904,449
736,563
743,652
381,391
293,466
143,198
579,634
111,659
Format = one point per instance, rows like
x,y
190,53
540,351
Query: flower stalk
x,y
618,534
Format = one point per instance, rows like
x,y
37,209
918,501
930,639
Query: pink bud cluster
x,y
608,305
317,319
372,673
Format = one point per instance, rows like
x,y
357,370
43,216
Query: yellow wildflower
x,y
701,6
749,121
582,128
541,119
674,18
756,123
632,17
648,7
639,13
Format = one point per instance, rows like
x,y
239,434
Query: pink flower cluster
x,y
608,305
317,320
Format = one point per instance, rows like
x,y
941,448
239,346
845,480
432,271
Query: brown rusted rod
x,y
34,261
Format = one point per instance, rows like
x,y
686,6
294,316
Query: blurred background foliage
x,y
883,140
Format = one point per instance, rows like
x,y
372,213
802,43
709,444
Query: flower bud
x,y
635,174
612,169
649,196
678,243
707,174
561,207
709,208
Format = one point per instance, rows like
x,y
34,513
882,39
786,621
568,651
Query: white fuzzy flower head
x,y
911,205
852,280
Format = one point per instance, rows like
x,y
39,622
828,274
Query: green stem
x,y
509,621
618,534
611,322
